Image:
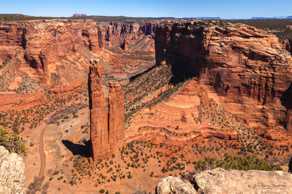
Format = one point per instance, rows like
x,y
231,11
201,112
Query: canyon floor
x,y
164,139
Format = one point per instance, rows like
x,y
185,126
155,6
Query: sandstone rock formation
x,y
116,114
219,87
244,65
11,173
122,35
99,133
220,181
107,114
41,48
44,61
174,185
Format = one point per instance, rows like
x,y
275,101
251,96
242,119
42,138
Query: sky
x,y
151,8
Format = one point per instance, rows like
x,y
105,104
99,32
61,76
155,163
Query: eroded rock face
x,y
11,173
240,62
42,60
122,35
43,45
174,185
219,181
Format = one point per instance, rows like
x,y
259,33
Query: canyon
x,y
143,100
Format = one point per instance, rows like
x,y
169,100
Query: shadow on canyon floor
x,y
78,149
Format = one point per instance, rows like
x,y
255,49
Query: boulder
x,y
174,185
11,173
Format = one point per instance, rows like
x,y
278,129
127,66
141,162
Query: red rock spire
x,y
98,114
107,115
116,114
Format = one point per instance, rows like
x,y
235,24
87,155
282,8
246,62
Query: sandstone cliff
x,y
244,65
126,35
50,52
44,63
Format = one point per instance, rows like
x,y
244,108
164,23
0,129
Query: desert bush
x,y
235,163
12,142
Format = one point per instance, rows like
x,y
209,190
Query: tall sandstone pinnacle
x,y
98,114
107,115
116,114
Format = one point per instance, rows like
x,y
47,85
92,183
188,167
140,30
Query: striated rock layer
x,y
249,68
44,62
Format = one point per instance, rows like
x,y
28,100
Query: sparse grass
x,y
235,163
12,142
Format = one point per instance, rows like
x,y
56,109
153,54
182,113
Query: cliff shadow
x,y
286,98
183,49
78,149
184,68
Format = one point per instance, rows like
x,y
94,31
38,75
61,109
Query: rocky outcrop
x,y
174,185
11,173
238,61
107,114
220,181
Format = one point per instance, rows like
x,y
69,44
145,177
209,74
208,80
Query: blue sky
x,y
157,8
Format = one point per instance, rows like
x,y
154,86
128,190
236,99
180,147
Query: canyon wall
x,y
50,52
144,84
43,66
44,63
240,62
55,53
125,35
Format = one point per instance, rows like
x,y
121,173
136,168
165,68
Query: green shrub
x,y
235,163
12,142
